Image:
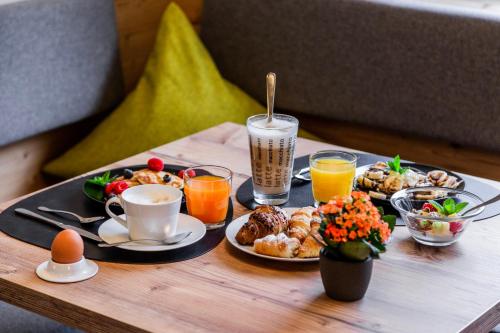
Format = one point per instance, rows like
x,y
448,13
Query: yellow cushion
x,y
180,93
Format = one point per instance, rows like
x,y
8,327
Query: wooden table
x,y
413,288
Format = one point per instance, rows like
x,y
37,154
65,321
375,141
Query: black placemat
x,y
301,193
69,196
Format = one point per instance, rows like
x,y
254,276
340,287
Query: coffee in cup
x,y
151,210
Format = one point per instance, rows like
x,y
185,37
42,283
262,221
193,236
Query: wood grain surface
x,y
413,289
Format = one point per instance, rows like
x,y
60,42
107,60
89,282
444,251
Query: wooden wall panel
x,y
137,22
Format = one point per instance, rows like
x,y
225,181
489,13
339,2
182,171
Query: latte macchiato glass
x,y
272,147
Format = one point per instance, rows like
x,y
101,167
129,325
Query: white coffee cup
x,y
152,211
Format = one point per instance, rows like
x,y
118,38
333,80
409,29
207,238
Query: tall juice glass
x,y
207,194
332,173
272,147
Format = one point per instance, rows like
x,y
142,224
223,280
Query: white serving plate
x,y
233,228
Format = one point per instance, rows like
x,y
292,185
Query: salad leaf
x,y
449,206
460,206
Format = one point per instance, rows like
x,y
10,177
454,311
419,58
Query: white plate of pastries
x,y
284,234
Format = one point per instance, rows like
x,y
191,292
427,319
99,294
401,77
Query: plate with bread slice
x,y
283,234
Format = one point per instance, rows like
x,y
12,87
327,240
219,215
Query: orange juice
x,y
330,177
207,198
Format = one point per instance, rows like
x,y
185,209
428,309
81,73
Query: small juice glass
x,y
207,194
332,173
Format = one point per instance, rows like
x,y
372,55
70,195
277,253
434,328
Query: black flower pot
x,y
344,280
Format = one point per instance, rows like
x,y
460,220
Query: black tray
x,y
69,196
301,193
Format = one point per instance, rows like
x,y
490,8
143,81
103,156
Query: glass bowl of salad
x,y
437,222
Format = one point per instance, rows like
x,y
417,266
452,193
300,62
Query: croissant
x,y
300,223
277,246
310,247
265,220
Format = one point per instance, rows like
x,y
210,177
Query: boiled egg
x,y
67,247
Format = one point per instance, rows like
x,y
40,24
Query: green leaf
x,y
380,210
94,191
436,205
391,165
460,206
356,250
391,220
403,170
449,206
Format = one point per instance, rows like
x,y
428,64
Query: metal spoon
x,y
271,88
300,174
486,203
78,217
169,241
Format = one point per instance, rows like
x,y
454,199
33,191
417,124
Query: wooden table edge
x,y
485,322
57,309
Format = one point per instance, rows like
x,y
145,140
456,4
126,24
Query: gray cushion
x,y
420,68
58,64
17,320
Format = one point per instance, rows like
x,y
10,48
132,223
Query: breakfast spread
x,y
383,179
273,233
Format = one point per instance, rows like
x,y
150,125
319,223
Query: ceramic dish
x,y
234,227
112,232
67,273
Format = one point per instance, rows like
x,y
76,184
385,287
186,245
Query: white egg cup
x,y
66,273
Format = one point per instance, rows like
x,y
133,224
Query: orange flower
x,y
351,217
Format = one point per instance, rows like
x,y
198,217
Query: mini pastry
x,y
265,220
277,246
311,246
300,223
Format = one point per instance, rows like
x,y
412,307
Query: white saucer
x,y
233,228
113,232
66,273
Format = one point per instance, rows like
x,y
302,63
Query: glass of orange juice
x,y
332,173
207,189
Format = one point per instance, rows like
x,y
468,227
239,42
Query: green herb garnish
x,y
449,206
102,180
395,165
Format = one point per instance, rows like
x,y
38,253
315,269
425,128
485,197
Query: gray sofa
x,y
419,68
58,64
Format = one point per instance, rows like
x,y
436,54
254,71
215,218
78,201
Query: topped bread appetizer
x,y
383,179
